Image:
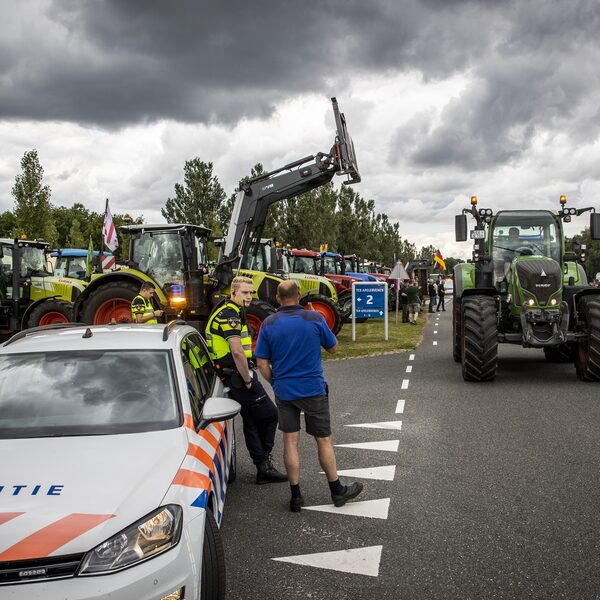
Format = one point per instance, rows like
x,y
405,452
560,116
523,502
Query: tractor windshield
x,y
33,260
329,265
304,264
524,232
160,255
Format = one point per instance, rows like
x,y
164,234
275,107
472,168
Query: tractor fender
x,y
28,310
464,278
123,275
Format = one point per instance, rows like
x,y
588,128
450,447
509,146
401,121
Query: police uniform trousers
x,y
259,416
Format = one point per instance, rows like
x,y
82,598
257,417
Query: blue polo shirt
x,y
291,339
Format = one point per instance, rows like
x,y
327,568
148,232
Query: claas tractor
x,y
174,256
30,295
523,287
318,293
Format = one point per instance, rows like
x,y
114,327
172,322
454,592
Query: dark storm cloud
x,y
117,62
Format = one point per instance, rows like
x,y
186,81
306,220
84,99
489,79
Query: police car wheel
x,y
212,579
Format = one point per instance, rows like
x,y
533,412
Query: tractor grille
x,y
39,569
542,277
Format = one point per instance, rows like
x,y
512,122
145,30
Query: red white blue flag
x,y
109,233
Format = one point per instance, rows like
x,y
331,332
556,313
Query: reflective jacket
x,y
142,306
228,320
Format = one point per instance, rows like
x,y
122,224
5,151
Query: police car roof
x,y
128,336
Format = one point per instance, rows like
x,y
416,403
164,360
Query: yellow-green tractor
x,y
30,295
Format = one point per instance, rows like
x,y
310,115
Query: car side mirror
x,y
595,226
218,409
460,228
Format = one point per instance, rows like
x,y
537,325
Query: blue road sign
x,y
369,300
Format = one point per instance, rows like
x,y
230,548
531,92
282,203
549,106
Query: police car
x,y
116,447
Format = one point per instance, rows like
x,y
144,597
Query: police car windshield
x,y
46,394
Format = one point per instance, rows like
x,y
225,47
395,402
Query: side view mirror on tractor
x,y
460,228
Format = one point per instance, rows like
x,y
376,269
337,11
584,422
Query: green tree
x,y
7,224
33,211
199,200
75,239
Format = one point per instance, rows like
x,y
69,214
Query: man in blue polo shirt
x,y
289,356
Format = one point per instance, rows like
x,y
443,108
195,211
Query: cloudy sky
x,y
444,99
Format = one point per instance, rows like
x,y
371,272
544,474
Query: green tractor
x,y
174,258
523,287
30,295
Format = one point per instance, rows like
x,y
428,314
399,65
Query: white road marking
x,y
372,509
400,406
404,384
383,473
386,446
435,331
380,425
360,561
435,343
411,357
409,369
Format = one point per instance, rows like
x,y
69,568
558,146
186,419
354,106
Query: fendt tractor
x,y
522,287
30,295
174,257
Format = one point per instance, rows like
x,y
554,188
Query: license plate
x,y
477,234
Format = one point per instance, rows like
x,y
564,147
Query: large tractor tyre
x,y
587,351
50,312
256,313
212,579
479,338
325,306
345,304
110,301
456,331
565,353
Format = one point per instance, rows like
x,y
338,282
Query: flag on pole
x,y
89,264
439,261
109,233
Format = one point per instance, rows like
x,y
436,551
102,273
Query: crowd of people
x,y
412,299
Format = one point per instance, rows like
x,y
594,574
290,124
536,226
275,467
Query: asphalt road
x,y
493,490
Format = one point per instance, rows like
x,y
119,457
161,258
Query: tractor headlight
x,y
531,301
554,302
150,536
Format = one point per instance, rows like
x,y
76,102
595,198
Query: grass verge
x,y
369,337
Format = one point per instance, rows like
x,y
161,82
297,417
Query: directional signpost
x,y
369,299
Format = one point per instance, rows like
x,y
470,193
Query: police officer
x,y
230,346
142,309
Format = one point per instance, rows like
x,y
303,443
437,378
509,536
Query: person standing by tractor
x,y
413,296
142,309
441,295
404,300
230,346
432,293
289,355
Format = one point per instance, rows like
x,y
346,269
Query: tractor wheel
x,y
456,331
479,338
50,312
560,354
345,304
325,306
256,313
110,301
587,352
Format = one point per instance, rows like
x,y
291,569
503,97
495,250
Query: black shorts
x,y
316,415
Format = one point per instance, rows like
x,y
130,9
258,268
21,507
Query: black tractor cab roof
x,y
25,243
165,227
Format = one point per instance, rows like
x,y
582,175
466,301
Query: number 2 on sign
x,y
369,299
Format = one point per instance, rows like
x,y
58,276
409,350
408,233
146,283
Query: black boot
x,y
267,473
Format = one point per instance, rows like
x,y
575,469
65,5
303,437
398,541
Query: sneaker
x,y
350,492
267,473
296,503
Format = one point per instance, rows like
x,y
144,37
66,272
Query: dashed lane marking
x,y
400,406
404,385
383,473
386,446
380,425
411,357
435,343
409,368
372,509
360,561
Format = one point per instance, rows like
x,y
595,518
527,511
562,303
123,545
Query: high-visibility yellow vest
x,y
148,309
217,324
